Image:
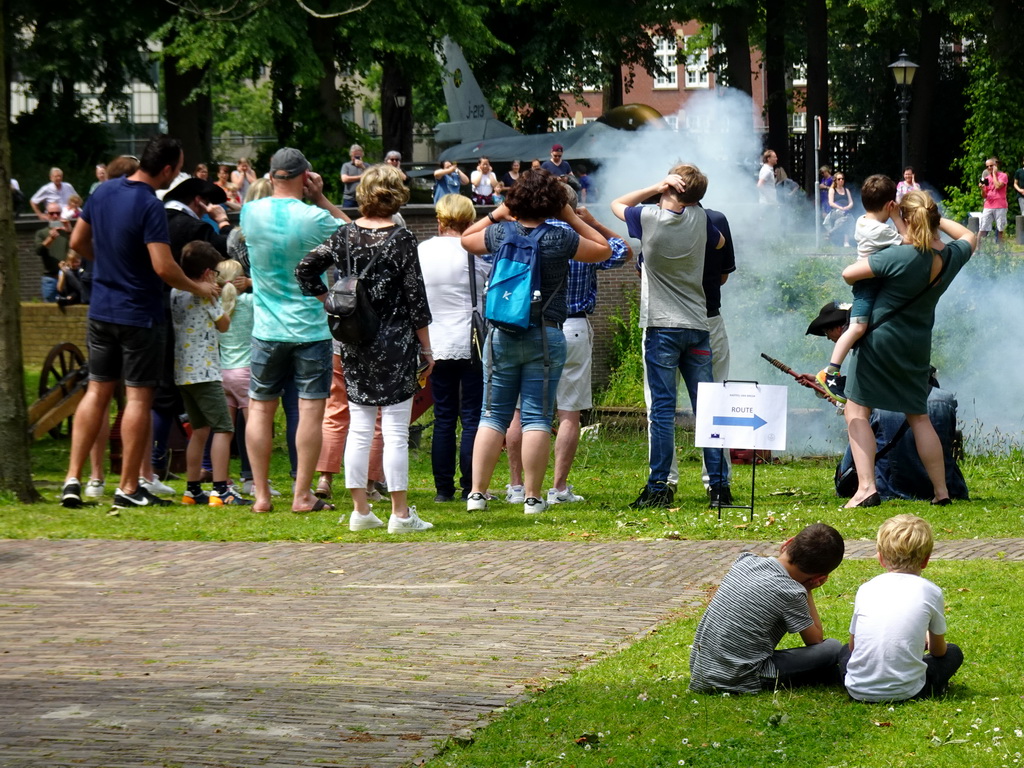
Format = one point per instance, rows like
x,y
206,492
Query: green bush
x,y
626,382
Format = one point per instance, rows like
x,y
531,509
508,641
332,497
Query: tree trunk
x,y
282,73
922,101
775,79
396,117
322,35
612,95
736,38
817,89
15,465
191,119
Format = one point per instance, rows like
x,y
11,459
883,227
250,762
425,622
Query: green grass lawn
x,y
634,708
609,473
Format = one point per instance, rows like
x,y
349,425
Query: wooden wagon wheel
x,y
62,360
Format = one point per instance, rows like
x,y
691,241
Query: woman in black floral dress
x,y
381,374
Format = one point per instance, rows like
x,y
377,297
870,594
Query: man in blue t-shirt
x,y
123,231
556,165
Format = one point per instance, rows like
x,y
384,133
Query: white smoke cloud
x,y
783,278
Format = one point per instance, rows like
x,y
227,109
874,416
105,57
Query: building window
x,y
561,124
799,121
697,69
799,75
665,51
673,122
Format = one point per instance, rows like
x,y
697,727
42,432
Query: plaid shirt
x,y
581,283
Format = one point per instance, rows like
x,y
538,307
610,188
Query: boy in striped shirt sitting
x,y
758,602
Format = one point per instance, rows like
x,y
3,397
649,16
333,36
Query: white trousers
x,y
394,424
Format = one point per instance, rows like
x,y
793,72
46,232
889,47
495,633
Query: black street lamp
x,y
903,70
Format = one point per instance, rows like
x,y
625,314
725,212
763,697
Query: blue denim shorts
x,y
513,369
275,362
864,293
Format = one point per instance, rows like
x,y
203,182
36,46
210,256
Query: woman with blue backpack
x,y
525,307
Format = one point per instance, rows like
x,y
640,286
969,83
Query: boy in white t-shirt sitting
x,y
873,233
896,617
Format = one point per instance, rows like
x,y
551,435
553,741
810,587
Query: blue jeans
x,y
513,369
458,388
48,288
667,350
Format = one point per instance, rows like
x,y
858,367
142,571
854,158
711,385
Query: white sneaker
x,y
534,506
94,489
360,522
408,524
515,494
562,497
247,489
476,502
156,487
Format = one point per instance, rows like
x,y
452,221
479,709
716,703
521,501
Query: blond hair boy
x,y
897,616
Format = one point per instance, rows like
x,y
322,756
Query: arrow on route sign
x,y
741,415
754,421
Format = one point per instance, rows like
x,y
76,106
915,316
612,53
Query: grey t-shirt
x,y
351,169
756,604
671,288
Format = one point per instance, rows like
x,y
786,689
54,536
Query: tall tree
x,y
816,103
15,466
776,71
995,101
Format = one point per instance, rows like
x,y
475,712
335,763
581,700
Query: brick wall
x,y
43,325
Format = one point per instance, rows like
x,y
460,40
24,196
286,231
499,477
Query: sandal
x,y
323,489
318,506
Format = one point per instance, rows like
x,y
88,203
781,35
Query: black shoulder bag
x,y
477,324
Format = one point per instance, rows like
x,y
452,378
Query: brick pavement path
x,y
117,653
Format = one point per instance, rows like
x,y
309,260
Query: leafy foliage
x,y
625,383
995,100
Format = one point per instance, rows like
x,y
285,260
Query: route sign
x,y
735,414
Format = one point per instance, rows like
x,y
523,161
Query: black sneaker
x,y
71,494
720,497
444,498
141,498
661,496
834,384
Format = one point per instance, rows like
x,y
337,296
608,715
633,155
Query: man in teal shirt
x,y
290,335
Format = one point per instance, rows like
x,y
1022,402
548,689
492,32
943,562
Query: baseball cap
x,y
557,148
287,163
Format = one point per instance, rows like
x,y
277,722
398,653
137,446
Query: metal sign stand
x,y
753,467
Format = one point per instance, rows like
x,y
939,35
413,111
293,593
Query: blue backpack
x,y
513,290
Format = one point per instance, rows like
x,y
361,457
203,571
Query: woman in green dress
x,y
889,369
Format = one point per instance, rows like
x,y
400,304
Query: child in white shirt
x,y
897,617
197,374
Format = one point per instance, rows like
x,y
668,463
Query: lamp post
x,y
903,70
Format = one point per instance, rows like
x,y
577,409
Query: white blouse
x,y
445,267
